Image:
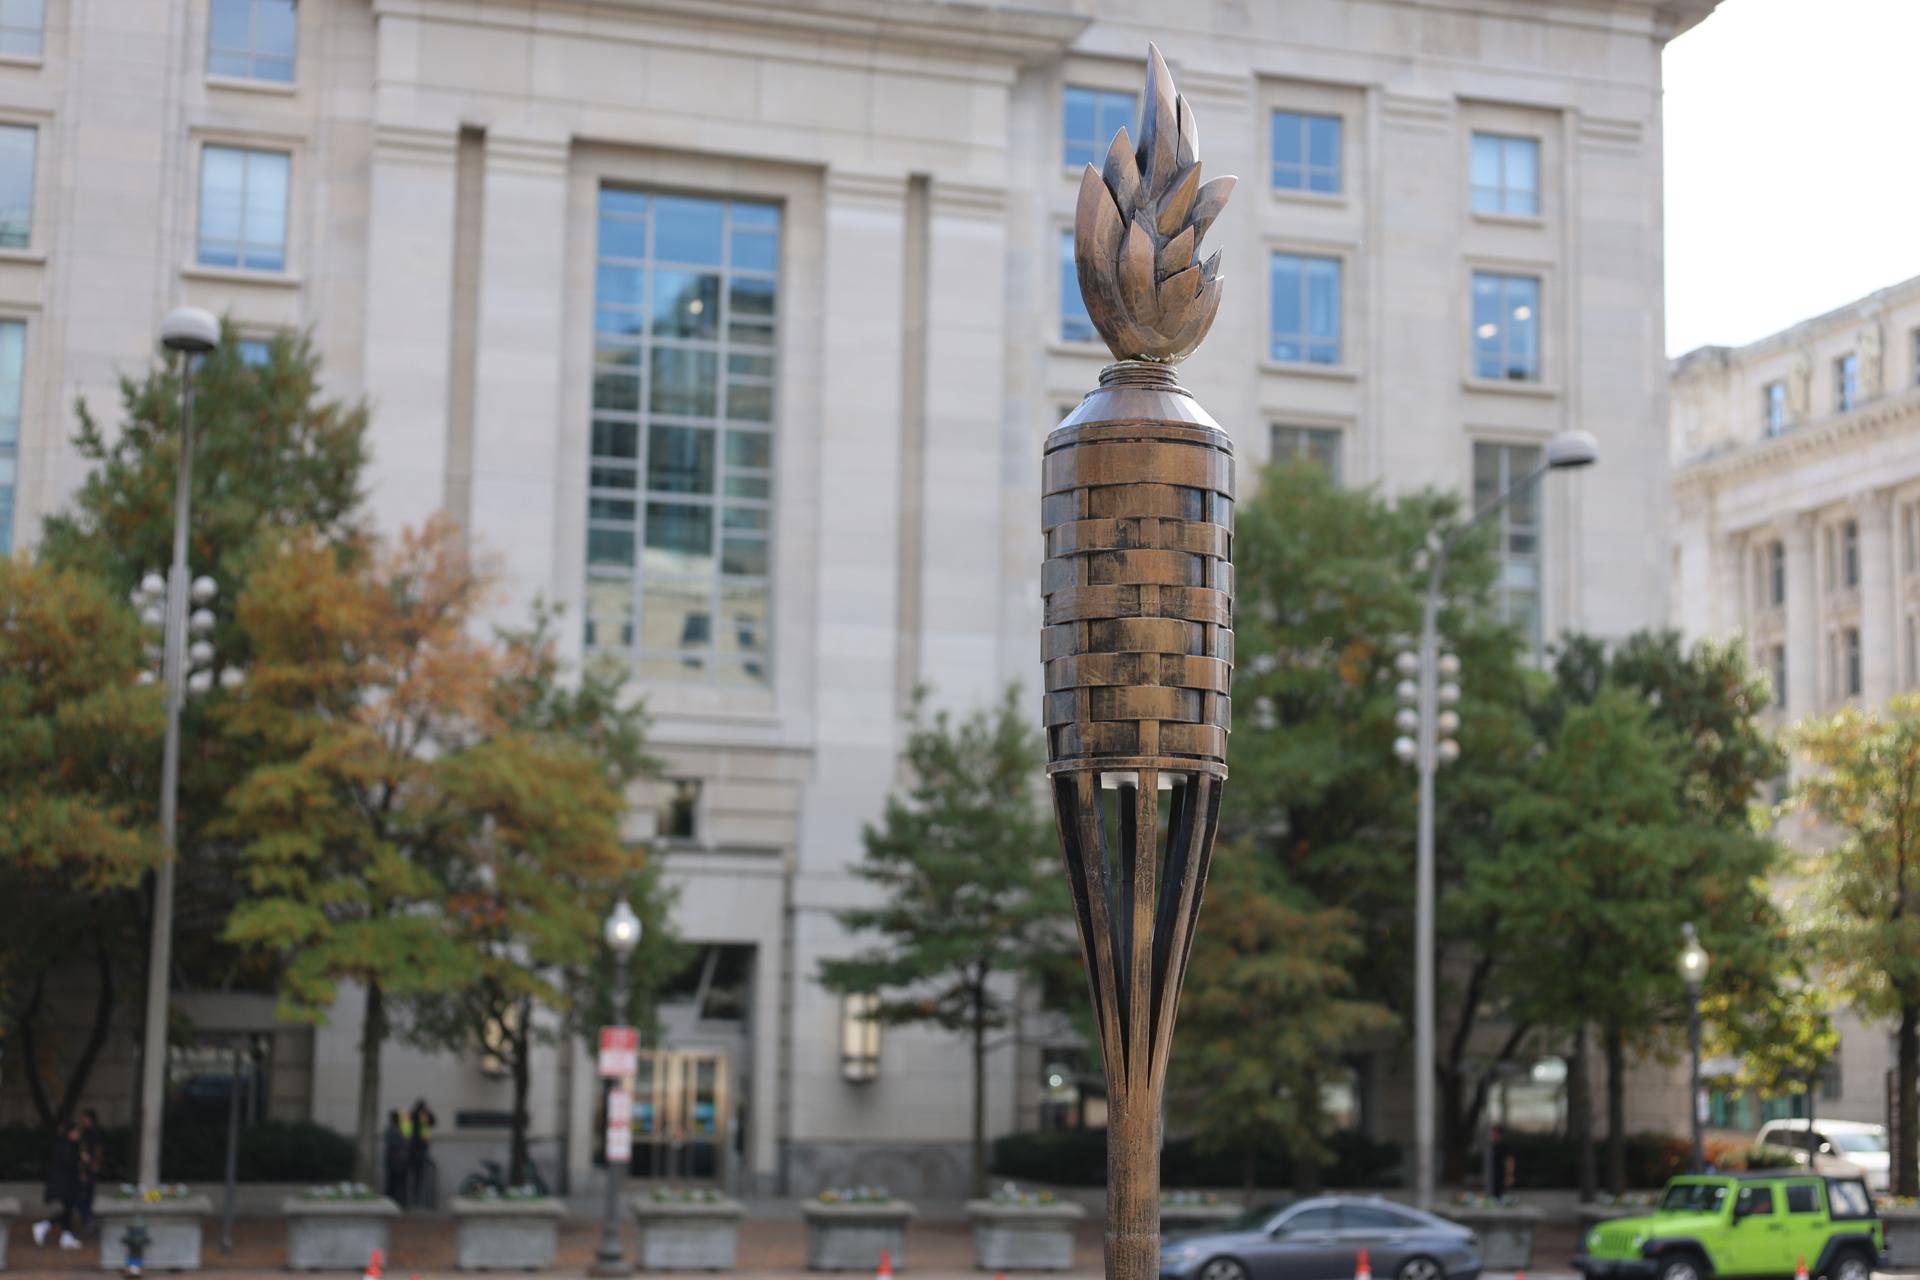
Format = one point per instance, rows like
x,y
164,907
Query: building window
x,y
1850,662
20,25
1910,537
860,1038
252,40
679,816
1776,573
1773,399
255,353
1506,327
1090,119
17,146
1912,655
1305,326
680,483
1506,174
1777,670
1306,152
243,209
1317,445
1842,542
1846,382
1075,324
1495,469
13,351
1914,346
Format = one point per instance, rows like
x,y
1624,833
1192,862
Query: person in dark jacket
x,y
91,1157
393,1141
63,1187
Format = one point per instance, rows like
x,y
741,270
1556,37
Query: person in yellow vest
x,y
418,1128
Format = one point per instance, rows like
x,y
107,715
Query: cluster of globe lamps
x,y
1406,747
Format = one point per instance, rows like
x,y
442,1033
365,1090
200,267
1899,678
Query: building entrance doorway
x,y
682,1116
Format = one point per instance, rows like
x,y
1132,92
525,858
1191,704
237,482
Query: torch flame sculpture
x,y
1137,510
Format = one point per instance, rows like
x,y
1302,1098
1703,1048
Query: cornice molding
x,y
1875,419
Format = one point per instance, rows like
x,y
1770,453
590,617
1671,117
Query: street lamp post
x,y
189,331
1693,972
622,934
1427,752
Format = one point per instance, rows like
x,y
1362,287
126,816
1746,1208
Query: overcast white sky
x,y
1793,170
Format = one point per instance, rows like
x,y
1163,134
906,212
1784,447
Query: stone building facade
x,y
735,326
1796,525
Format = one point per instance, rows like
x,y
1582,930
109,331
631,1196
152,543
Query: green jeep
x,y
1750,1224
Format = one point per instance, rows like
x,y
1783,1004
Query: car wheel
x,y
1680,1268
1851,1266
1419,1268
1223,1269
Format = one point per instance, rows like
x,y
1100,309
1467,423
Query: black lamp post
x,y
622,934
1693,972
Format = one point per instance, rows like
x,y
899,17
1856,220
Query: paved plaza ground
x,y
770,1247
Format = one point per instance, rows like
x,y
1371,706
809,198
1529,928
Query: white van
x,y
1836,1146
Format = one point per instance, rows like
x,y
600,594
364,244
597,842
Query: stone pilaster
x,y
1804,656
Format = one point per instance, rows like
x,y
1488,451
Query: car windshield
x,y
1861,1144
1257,1218
1693,1197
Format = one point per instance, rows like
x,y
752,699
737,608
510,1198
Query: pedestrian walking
x,y
420,1122
1500,1167
63,1187
92,1150
394,1144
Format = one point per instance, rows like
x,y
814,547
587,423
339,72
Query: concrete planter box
x,y
688,1235
505,1235
335,1235
1903,1238
1197,1217
173,1230
1023,1237
1506,1234
851,1237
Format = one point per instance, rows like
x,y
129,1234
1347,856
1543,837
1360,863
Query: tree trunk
x,y
522,1048
96,1034
1907,1141
979,1093
1580,1114
366,1137
1616,1109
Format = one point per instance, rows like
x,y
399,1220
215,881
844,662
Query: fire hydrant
x,y
135,1240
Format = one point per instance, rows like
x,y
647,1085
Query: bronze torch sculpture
x,y
1137,510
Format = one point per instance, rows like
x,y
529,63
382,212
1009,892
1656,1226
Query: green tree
x,y
1267,1008
1329,588
1864,787
524,899
78,737
1707,698
369,711
971,891
1783,1037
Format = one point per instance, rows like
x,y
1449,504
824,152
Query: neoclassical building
x,y
1796,524
735,326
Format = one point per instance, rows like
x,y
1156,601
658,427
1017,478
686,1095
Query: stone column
x,y
408,317
1879,625
517,363
1803,617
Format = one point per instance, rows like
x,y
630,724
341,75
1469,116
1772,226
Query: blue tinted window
x,y
1506,327
243,209
13,351
20,25
1506,174
252,39
1306,152
684,398
254,352
1075,324
1090,119
17,145
1306,303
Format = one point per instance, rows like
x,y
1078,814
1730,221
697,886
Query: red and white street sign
x,y
619,1052
619,1125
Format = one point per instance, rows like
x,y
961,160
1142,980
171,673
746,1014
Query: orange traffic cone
x,y
373,1266
1800,1268
886,1266
1361,1271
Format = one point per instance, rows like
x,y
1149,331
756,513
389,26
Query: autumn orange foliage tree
x,y
409,828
